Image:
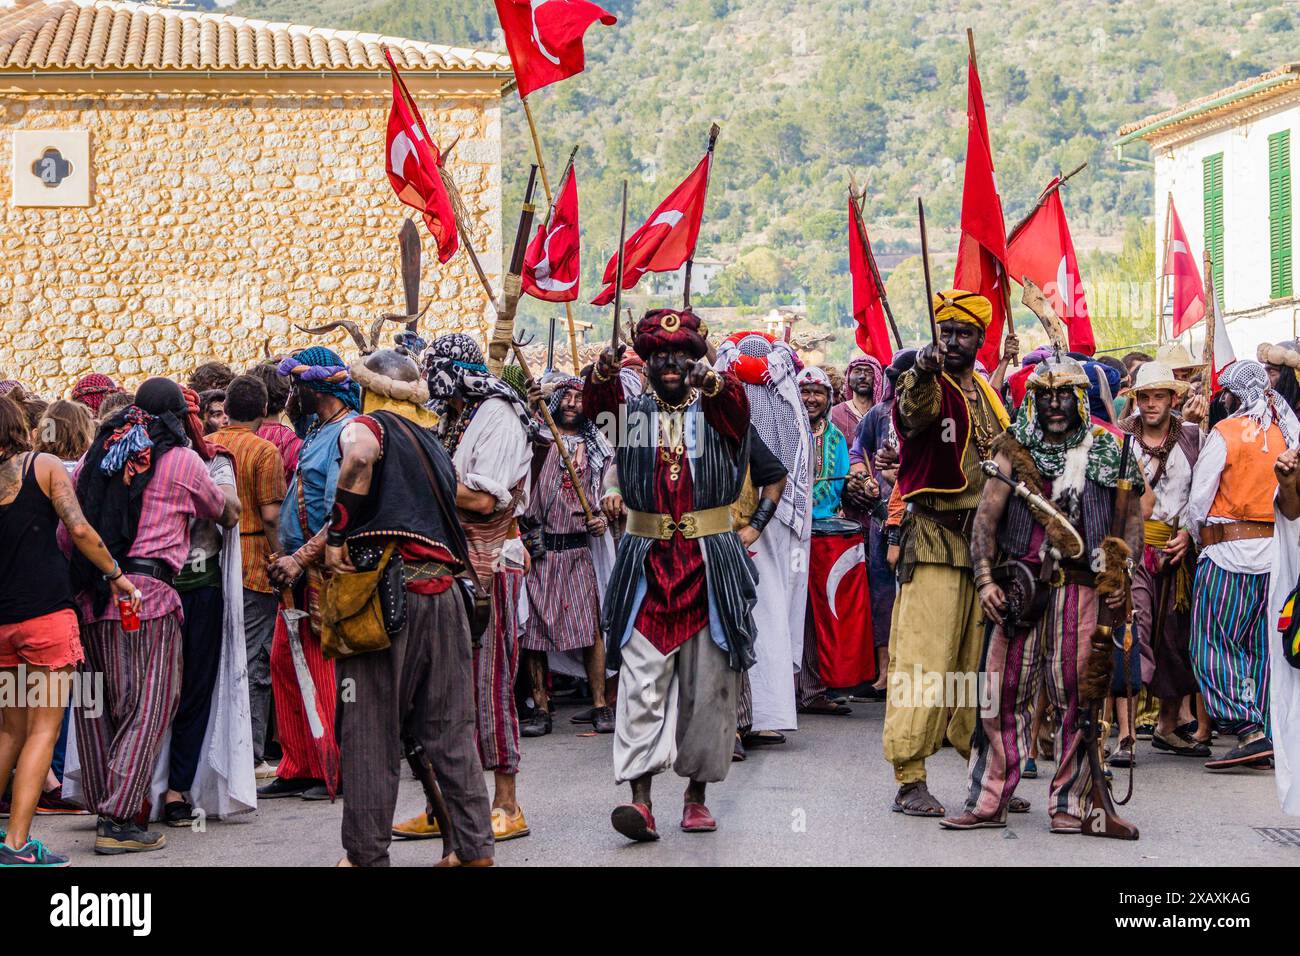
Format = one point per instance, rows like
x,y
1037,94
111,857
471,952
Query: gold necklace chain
x,y
672,431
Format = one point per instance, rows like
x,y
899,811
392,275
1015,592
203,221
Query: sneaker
x,y
264,771
1144,731
4,808
125,836
538,725
52,803
1031,769
280,787
34,854
178,813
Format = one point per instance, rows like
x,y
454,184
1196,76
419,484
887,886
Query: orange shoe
x,y
419,827
507,826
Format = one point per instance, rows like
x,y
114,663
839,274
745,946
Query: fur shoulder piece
x,y
1022,463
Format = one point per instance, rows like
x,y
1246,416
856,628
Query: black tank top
x,y
34,576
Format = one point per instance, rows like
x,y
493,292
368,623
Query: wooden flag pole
x,y
1164,255
1043,198
714,130
871,260
970,44
1207,376
550,202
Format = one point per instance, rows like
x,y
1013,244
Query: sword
x,y
1039,505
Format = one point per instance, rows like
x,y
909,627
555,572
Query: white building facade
x,y
1226,162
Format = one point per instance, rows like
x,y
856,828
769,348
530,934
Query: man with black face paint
x,y
1059,454
946,417
678,614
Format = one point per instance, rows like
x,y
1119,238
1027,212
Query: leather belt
x,y
413,571
1083,577
693,524
1235,531
150,567
958,522
564,542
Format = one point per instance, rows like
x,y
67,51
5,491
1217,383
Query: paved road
x,y
823,798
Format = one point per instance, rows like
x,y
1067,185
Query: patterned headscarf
x,y
768,368
454,367
1089,451
1097,397
92,389
1248,380
877,380
598,449
322,370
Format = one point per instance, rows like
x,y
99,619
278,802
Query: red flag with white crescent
x,y
841,609
1188,290
868,306
668,237
544,38
551,262
1043,250
412,160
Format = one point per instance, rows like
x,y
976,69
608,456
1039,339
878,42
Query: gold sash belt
x,y
694,524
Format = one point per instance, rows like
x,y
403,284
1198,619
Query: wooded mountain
x,y
807,89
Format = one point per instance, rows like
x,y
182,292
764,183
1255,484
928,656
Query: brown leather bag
x,y
352,614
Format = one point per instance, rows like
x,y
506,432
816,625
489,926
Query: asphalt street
x,y
823,798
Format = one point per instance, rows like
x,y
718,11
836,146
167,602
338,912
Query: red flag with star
x,y
551,262
668,237
413,163
544,38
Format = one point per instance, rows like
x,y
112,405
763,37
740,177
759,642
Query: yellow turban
x,y
954,305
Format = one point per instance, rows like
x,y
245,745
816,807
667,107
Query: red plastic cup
x,y
130,619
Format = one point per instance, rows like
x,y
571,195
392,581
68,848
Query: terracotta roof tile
x,y
120,35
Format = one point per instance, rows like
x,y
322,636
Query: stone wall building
x,y
180,185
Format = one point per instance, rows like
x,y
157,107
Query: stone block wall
x,y
217,222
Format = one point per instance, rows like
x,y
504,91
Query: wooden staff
x,y
550,200
714,130
1047,193
858,201
1164,252
555,433
925,263
618,274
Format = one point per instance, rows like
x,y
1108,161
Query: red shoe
x,y
635,822
697,819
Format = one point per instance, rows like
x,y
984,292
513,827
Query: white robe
x,y
1284,680
224,784
781,558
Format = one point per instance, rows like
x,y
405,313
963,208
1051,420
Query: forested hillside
x,y
806,89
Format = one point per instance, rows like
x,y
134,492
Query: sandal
x,y
1018,805
821,704
915,800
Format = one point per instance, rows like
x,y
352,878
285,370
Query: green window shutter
x,y
1279,214
1212,172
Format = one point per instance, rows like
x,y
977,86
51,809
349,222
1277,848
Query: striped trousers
x,y
1230,646
1053,652
808,683
303,757
496,665
142,686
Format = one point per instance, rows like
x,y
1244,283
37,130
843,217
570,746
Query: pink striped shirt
x,y
181,489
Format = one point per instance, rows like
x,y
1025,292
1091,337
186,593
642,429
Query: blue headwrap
x,y
321,370
1095,404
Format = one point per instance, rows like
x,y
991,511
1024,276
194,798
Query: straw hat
x,y
1157,375
1175,355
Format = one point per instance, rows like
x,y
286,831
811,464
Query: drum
x,y
840,603
834,526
